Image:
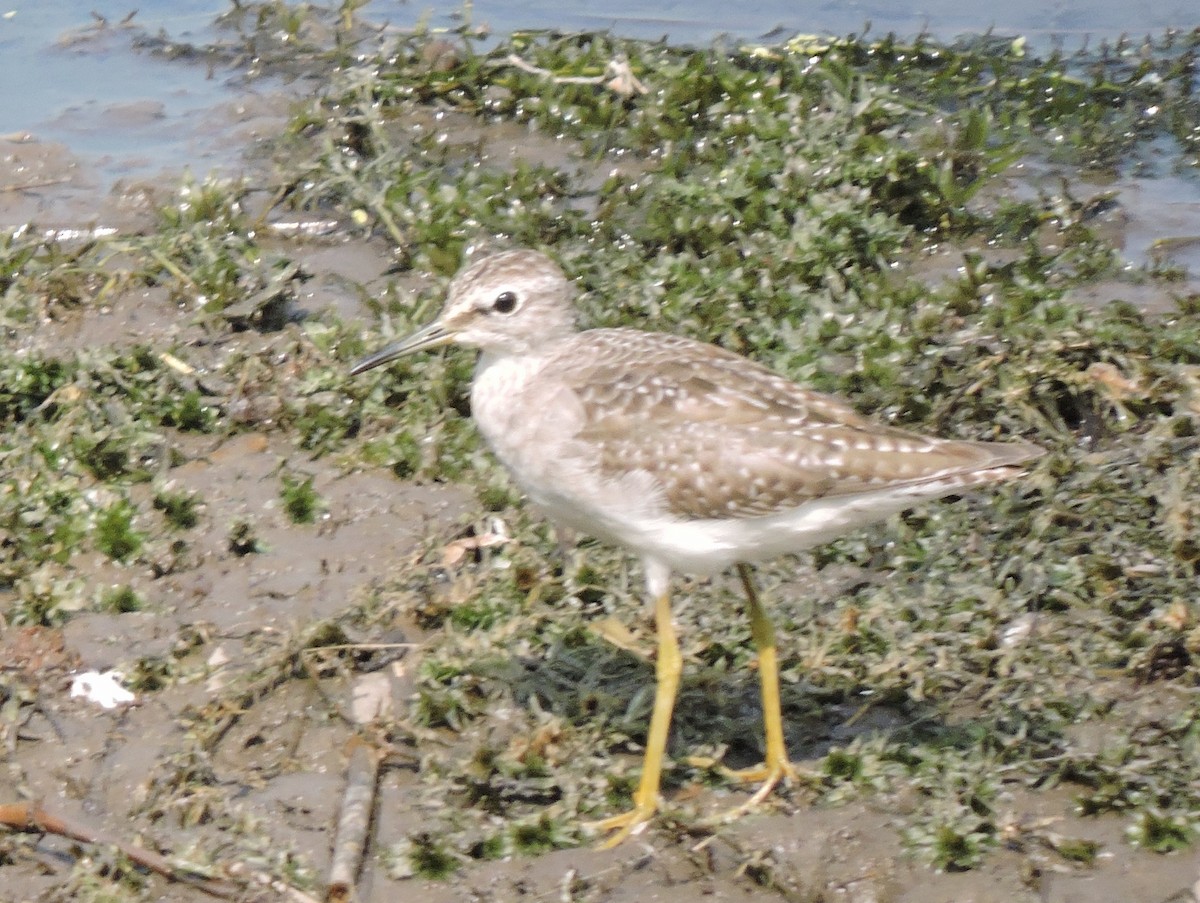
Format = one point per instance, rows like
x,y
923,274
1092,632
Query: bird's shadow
x,y
587,680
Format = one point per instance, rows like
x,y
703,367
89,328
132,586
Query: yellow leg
x,y
776,767
645,798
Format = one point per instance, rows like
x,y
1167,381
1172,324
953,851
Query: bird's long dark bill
x,y
427,337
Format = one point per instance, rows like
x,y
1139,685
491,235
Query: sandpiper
x,y
691,457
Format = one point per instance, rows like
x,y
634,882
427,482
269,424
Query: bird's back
x,y
725,437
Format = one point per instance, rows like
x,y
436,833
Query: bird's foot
x,y
626,824
770,774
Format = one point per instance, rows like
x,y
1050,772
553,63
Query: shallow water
x,y
702,21
64,70
102,110
64,74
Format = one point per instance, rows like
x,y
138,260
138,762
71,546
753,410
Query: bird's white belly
x,y
709,546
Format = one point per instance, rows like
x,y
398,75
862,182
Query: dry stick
x,y
370,700
32,817
358,802
29,186
618,77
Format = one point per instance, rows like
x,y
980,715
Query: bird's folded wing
x,y
726,437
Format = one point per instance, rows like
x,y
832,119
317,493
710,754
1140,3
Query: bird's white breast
x,y
532,421
523,414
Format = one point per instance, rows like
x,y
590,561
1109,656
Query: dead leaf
x,y
617,634
1115,381
456,551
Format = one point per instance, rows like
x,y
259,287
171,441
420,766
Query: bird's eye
x,y
505,303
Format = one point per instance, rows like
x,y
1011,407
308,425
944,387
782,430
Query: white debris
x,y
103,689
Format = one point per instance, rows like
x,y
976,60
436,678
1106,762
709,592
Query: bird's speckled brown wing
x,y
726,437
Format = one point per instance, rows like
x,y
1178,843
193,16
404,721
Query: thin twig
x,y
30,186
32,817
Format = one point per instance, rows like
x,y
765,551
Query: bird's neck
x,y
503,374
